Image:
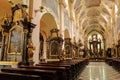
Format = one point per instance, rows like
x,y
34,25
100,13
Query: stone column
x,y
30,9
71,27
25,53
114,23
36,31
61,16
45,50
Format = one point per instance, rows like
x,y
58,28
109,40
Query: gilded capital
x,y
25,31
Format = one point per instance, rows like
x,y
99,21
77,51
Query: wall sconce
x,y
41,9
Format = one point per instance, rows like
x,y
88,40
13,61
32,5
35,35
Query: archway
x,y
47,23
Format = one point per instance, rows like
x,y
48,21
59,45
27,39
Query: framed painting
x,y
54,48
15,40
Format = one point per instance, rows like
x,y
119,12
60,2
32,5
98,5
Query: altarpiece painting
x,y
15,40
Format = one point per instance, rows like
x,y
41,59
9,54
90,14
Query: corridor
x,y
99,71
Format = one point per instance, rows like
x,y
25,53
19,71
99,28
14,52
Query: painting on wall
x,y
54,48
15,41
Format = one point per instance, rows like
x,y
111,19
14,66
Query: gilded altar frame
x,y
15,42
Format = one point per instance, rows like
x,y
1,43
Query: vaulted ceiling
x,y
94,15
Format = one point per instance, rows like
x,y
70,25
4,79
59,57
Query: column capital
x,y
25,31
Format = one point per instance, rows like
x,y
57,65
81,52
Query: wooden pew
x,y
14,76
44,74
72,67
116,64
61,71
69,72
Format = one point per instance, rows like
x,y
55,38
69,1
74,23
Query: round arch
x,y
47,22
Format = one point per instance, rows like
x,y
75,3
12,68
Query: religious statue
x,y
31,49
17,15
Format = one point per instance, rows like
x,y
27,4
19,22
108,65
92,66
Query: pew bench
x,y
73,67
44,74
14,76
68,69
61,71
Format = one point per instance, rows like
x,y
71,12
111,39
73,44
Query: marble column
x,y
36,32
61,13
114,20
71,27
61,16
45,50
25,53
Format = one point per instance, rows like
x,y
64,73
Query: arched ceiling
x,y
94,12
94,27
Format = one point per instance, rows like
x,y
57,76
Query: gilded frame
x,y
15,45
55,47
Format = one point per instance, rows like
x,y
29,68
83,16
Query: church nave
x,y
99,71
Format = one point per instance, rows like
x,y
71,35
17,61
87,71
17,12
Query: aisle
x,y
99,71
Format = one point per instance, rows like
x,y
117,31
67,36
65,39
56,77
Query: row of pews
x,y
114,62
61,70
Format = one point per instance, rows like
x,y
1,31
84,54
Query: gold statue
x,y
31,49
18,15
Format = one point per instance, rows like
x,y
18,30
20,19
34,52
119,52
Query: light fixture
x,y
41,9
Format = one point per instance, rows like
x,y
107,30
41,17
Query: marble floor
x,y
99,71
